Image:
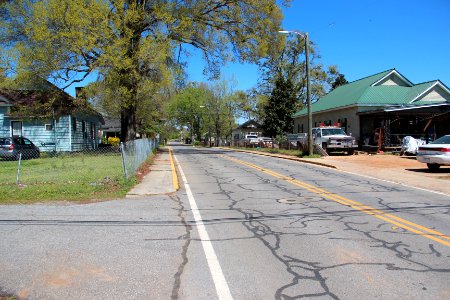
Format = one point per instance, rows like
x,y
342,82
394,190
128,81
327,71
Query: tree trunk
x,y
128,123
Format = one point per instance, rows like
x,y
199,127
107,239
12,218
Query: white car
x,y
435,154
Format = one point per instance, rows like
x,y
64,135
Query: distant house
x,y
250,127
111,128
49,117
383,107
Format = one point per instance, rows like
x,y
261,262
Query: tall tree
x,y
222,108
290,63
187,108
129,44
281,106
340,80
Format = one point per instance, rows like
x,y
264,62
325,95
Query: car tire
x,y
351,152
433,167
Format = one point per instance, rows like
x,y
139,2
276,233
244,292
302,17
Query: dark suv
x,y
10,148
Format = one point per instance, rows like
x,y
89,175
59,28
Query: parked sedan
x,y
10,148
435,154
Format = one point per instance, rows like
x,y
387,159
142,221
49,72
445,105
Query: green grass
x,y
73,178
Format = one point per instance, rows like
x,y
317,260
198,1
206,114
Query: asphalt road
x,y
242,226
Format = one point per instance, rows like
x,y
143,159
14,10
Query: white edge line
x,y
393,182
364,176
222,289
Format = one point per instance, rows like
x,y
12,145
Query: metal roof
x,y
364,92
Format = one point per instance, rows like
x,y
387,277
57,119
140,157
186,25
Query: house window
x,y
84,129
16,128
48,127
74,124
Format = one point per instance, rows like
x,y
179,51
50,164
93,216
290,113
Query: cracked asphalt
x,y
280,230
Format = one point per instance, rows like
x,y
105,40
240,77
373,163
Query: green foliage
x,y
280,108
187,107
289,61
221,110
340,80
131,46
209,111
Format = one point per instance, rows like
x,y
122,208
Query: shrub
x,y
114,141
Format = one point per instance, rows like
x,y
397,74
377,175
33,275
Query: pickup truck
x,y
333,138
330,138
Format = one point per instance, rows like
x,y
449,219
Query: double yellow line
x,y
397,221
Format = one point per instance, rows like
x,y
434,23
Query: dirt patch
x,y
146,167
380,161
401,169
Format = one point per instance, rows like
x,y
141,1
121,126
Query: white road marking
x,y
357,174
393,182
222,289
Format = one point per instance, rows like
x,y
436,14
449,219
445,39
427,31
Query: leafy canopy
x,y
130,45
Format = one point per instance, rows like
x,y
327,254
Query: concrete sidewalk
x,y
162,178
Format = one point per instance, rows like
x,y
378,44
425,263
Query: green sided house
x,y
385,105
50,118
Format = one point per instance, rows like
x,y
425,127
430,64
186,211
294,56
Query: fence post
x,y
122,153
18,168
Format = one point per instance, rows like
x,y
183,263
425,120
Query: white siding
x,y
436,94
393,79
333,116
4,123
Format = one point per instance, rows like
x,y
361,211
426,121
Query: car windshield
x,y
442,140
333,131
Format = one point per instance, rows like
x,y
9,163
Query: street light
x,y
308,91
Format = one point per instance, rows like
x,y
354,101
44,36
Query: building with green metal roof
x,y
385,102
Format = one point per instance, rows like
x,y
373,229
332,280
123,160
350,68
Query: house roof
x,y
111,125
45,102
370,91
4,101
249,124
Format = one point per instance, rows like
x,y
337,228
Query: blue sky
x,y
365,37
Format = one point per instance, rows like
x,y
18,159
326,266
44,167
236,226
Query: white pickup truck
x,y
333,138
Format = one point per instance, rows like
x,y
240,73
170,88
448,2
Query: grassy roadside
x,y
73,178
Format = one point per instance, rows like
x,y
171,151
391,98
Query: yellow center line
x,y
175,182
400,222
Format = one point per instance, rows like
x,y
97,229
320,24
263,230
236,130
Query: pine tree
x,y
280,108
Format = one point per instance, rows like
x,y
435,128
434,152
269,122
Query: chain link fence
x,y
22,162
134,153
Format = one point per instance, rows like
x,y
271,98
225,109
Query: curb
x,y
282,157
175,182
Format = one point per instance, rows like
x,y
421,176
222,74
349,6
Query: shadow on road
x,y
441,170
185,149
